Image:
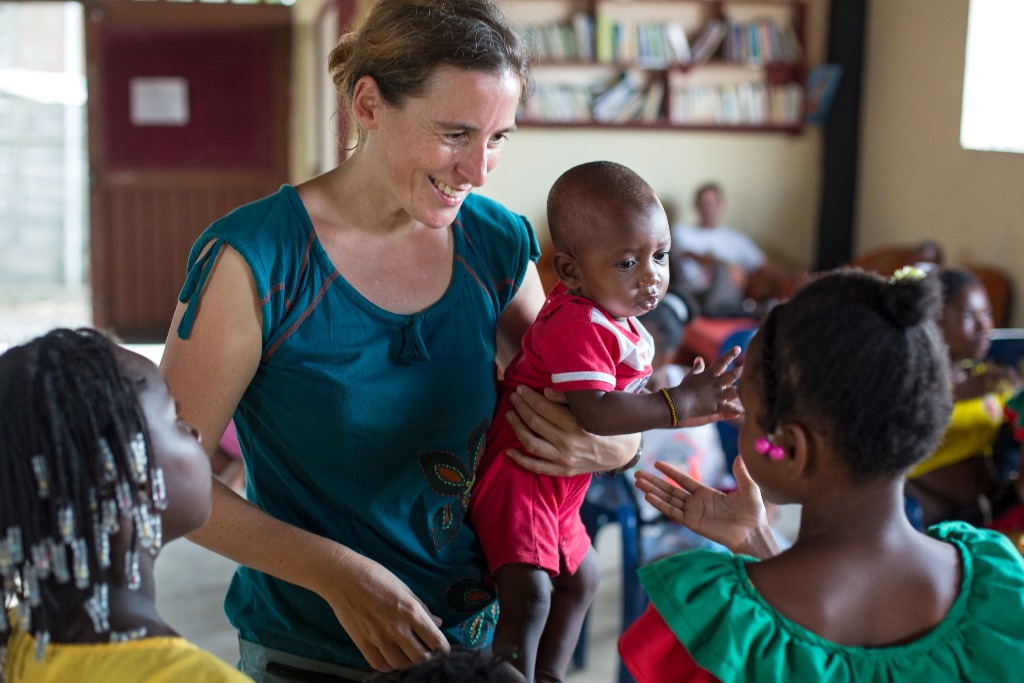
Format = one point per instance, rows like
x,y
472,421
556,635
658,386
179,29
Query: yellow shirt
x,y
971,432
149,660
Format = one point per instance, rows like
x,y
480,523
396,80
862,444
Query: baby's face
x,y
622,263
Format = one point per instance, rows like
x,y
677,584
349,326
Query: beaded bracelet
x,y
671,407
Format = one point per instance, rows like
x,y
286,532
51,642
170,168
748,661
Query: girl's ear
x,y
566,270
367,103
799,444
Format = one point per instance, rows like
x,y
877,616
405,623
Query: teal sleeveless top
x,y
362,425
716,613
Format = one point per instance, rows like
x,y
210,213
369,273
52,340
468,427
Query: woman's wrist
x,y
631,463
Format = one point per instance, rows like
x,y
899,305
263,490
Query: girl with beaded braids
x,y
96,474
845,387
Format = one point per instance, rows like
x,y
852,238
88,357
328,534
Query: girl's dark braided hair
x,y
73,469
861,360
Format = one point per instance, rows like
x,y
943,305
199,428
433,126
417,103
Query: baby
x,y
611,239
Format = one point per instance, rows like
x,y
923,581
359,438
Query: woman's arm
x,y
556,443
208,374
737,519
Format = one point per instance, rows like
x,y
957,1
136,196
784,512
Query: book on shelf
x,y
604,37
583,26
654,100
678,45
608,103
822,83
709,40
631,108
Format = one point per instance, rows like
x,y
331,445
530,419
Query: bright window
x,y
993,108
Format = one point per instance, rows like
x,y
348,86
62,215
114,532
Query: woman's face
x,y
967,324
439,146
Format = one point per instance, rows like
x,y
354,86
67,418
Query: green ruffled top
x,y
711,606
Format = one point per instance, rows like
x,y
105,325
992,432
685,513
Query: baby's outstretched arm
x,y
736,519
705,395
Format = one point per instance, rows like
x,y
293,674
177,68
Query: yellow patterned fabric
x,y
972,430
149,660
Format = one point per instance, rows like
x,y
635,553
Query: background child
x,y
967,476
844,388
96,474
611,239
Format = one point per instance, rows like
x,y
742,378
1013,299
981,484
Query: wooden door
x,y
188,118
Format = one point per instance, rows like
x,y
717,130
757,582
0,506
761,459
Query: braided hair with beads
x,y
74,470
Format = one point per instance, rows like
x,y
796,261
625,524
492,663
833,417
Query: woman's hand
x,y
391,626
737,519
555,442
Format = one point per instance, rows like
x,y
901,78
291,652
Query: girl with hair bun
x,y
845,388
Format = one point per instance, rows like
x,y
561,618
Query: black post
x,y
841,133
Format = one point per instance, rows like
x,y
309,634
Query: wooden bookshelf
x,y
680,64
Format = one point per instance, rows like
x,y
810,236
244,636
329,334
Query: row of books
x,y
736,104
660,44
652,43
630,96
561,41
634,97
759,42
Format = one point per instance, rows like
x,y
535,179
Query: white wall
x,y
771,181
916,181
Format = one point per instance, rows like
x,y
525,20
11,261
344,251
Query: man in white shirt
x,y
711,262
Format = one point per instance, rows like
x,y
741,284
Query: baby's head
x,y
611,237
966,318
857,360
96,472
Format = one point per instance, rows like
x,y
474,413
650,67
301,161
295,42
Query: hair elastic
x,y
765,446
671,406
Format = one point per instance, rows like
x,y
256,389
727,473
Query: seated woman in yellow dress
x,y
965,478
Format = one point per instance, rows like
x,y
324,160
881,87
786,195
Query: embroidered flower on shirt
x,y
448,475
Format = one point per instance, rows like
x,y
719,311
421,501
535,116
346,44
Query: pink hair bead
x,y
766,447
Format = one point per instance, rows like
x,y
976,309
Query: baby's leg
x,y
524,598
569,603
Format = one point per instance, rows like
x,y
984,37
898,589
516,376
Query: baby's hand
x,y
708,395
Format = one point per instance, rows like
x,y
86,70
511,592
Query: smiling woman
x,y
351,325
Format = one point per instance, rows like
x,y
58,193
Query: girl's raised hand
x,y
736,519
